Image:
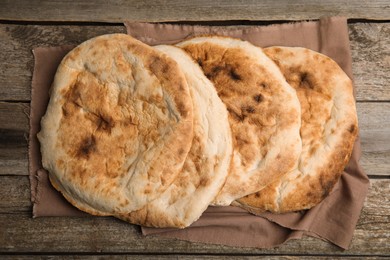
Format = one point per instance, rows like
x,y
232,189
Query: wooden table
x,y
26,24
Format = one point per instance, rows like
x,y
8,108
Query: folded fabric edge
x,y
167,234
32,175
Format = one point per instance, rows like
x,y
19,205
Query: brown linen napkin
x,y
333,220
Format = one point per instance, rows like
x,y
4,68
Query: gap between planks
x,y
82,255
182,10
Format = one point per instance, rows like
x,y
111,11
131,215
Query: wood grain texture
x,y
15,194
182,10
104,234
374,121
370,44
374,124
180,256
13,138
17,61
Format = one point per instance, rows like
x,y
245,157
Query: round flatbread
x,y
264,112
207,164
118,126
329,128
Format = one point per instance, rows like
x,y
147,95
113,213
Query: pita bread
x,y
118,126
207,164
264,112
329,128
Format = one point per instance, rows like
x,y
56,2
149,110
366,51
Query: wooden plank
x,y
17,42
181,256
13,138
182,10
374,124
374,121
15,194
14,116
370,46
14,160
104,234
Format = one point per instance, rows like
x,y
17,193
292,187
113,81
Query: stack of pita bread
x,y
155,135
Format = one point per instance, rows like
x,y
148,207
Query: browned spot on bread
x,y
101,122
352,129
214,72
304,81
64,112
312,150
236,116
104,123
204,182
257,194
158,66
113,174
180,151
258,98
234,75
226,69
182,109
263,85
86,147
276,50
199,61
131,46
249,109
165,68
154,61
97,184
240,141
310,194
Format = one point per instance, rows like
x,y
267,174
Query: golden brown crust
x,y
206,166
118,126
329,128
263,111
